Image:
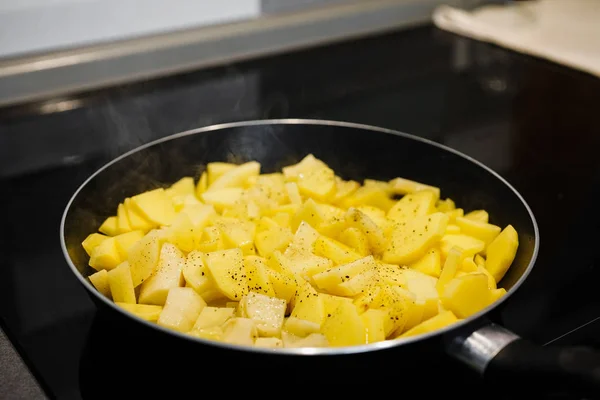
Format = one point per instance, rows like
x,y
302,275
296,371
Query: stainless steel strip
x,y
70,71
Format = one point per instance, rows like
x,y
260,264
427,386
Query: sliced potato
x,y
299,257
411,240
501,252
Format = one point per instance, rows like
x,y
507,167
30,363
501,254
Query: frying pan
x,y
355,152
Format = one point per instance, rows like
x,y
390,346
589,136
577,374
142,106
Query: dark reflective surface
x,y
531,121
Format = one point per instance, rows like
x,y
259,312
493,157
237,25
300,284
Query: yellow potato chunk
x,y
453,214
100,281
202,184
227,269
411,206
215,333
332,302
344,189
92,241
266,312
479,260
376,214
258,276
497,294
183,187
468,264
478,215
480,230
501,252
237,233
144,254
374,233
197,276
110,226
364,300
372,195
438,322
398,303
452,229
344,327
143,311
318,184
385,186
305,263
308,304
121,285
181,310
136,219
469,245
329,279
450,268
268,343
306,165
155,206
415,317
215,169
284,220
300,328
411,241
123,225
337,252
334,220
125,241
313,340
223,198
406,186
429,264
305,237
240,331
106,255
467,295
182,201
310,213
355,239
284,285
168,275
211,317
293,193
183,234
445,205
374,321
424,288
357,284
235,177
391,274
211,240
274,239
491,281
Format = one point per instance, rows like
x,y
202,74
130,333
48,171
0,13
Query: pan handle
x,y
502,357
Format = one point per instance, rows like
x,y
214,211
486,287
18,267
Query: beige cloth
x,y
563,31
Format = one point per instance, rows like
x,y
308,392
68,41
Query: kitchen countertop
x,y
532,121
17,381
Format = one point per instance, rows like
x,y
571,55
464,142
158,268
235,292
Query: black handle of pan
x,y
508,361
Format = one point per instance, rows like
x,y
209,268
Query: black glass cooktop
x,y
533,122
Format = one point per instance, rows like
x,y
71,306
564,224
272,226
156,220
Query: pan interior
x,y
353,152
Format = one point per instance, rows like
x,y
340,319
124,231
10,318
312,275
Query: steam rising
x,y
131,121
